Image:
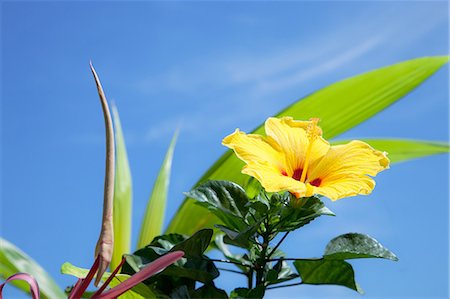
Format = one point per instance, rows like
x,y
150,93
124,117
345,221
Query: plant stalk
x,y
278,245
285,286
250,278
105,243
260,264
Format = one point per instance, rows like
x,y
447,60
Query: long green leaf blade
x,y
401,150
123,196
340,107
14,260
156,207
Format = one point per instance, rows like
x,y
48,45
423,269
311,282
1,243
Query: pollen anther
x,y
311,133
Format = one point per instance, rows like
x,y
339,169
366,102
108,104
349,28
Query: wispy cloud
x,y
250,80
302,75
285,67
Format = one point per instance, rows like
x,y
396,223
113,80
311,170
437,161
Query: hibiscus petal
x,y
344,170
292,137
273,181
343,187
253,148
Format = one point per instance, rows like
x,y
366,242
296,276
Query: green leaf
x,y
70,269
244,293
196,245
122,196
167,241
237,258
140,291
181,292
240,238
354,245
347,103
281,272
335,272
294,216
154,214
209,291
193,267
340,106
225,199
14,260
157,248
400,150
201,270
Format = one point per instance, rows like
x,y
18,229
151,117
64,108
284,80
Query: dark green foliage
x,y
244,293
241,239
294,213
327,272
252,224
209,291
281,272
179,279
225,199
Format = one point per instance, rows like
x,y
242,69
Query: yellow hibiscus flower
x,y
294,157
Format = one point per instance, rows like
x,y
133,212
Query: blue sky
x,y
209,67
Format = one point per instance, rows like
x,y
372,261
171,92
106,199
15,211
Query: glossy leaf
x,y
244,293
13,260
196,245
154,214
209,291
335,272
281,272
181,292
122,196
340,106
226,200
240,238
354,245
239,259
294,216
194,267
150,270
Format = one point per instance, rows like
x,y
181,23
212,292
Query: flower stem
x,y
232,271
228,262
250,278
293,259
278,245
285,286
260,264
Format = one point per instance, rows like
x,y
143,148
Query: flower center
x,y
316,182
297,174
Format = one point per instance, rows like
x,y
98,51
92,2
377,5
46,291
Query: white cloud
x,y
280,82
247,79
286,66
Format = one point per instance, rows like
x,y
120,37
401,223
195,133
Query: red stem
x,y
79,288
153,268
108,281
